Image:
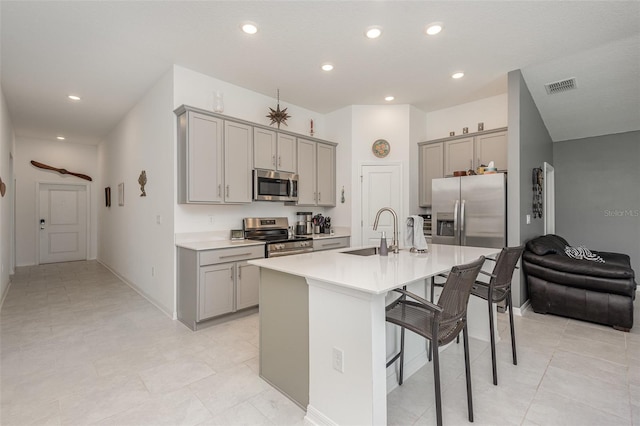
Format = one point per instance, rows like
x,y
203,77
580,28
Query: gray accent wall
x,y
598,193
529,146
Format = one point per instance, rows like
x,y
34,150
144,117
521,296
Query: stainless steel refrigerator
x,y
470,210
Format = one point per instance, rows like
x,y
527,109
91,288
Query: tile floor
x,y
80,347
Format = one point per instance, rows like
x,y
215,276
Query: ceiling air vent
x,y
561,86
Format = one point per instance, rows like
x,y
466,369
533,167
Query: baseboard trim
x,y
135,288
523,308
410,367
4,295
316,418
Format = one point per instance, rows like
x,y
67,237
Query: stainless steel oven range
x,y
275,232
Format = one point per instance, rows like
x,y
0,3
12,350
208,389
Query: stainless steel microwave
x,y
269,185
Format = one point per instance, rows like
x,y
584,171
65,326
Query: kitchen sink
x,y
368,251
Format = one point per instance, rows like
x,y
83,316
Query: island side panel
x,y
284,334
353,323
187,287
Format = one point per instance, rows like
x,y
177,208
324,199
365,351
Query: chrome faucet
x,y
394,244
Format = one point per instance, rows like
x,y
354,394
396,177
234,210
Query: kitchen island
x,y
322,318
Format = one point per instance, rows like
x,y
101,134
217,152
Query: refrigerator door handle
x,y
456,229
463,236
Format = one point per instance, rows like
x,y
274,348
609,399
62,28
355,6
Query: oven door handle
x,y
290,252
290,187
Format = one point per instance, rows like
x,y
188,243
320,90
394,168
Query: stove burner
x,y
275,232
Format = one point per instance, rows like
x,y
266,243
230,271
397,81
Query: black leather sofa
x,y
577,288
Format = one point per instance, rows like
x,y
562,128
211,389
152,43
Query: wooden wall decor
x,y
61,171
142,180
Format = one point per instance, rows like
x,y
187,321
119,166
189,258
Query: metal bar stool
x,y
439,324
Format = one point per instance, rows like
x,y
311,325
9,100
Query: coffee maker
x,y
304,225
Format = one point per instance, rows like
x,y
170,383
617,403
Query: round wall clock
x,y
380,148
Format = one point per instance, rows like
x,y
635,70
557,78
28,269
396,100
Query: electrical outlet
x,y
338,360
528,219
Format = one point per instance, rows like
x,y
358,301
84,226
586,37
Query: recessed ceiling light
x,y
373,32
327,67
60,138
457,75
434,28
389,98
249,28
74,97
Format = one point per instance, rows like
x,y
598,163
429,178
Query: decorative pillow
x,y
583,253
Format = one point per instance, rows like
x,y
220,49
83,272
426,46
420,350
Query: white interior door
x,y
62,222
381,187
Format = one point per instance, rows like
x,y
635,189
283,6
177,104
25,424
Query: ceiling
x,y
111,52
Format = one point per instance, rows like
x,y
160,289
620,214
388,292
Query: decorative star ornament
x,y
278,116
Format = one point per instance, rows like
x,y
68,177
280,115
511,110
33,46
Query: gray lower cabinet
x,y
216,288
213,283
320,244
247,288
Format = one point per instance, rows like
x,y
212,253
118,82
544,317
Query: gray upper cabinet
x,y
307,193
492,147
200,159
216,156
326,174
264,149
238,152
441,157
471,151
431,166
286,153
458,155
316,173
274,150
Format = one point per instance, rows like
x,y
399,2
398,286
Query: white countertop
x,y
374,274
338,232
217,244
220,240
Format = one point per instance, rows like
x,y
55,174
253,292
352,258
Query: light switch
x,y
528,219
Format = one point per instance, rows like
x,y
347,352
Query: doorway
x,y
62,222
381,187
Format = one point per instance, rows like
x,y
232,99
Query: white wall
x,y
339,129
131,242
197,90
529,146
7,148
370,123
75,157
417,133
490,111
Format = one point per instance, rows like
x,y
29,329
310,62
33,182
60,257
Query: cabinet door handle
x,y
315,196
235,255
231,270
279,160
273,159
239,272
319,196
227,190
219,189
